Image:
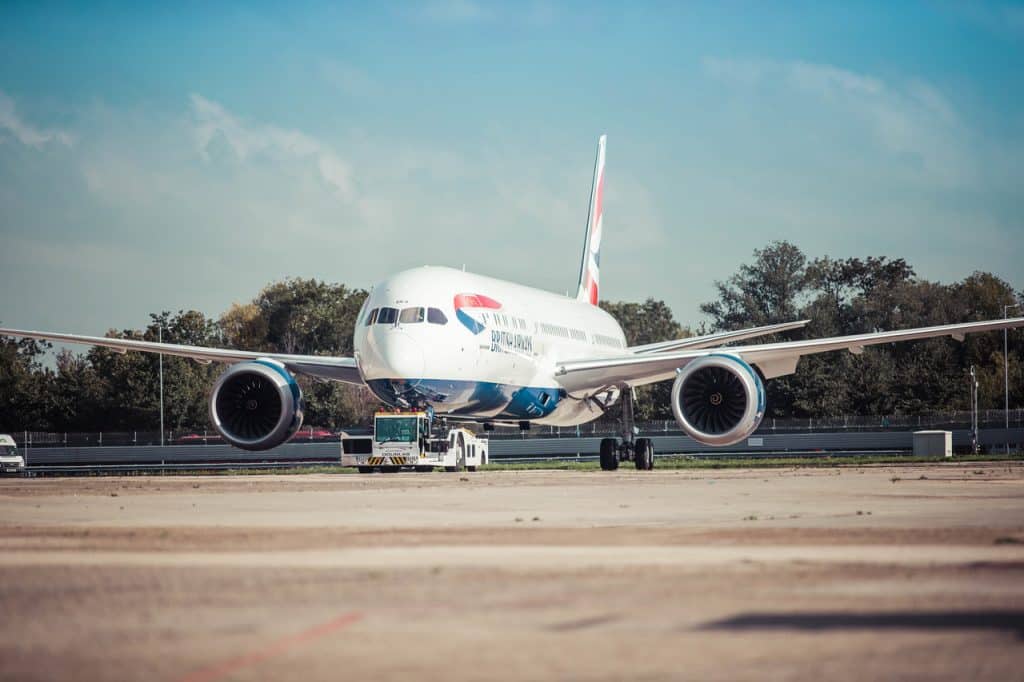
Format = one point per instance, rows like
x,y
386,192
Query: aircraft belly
x,y
570,412
480,399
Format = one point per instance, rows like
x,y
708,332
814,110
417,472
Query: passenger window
x,y
435,316
372,317
387,316
411,316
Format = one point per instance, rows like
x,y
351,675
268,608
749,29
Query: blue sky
x,y
172,155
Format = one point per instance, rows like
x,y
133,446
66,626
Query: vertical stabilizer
x,y
590,266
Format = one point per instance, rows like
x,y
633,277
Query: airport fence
x,y
825,444
949,421
47,439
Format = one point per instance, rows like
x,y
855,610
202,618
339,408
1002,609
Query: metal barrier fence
x,y
949,421
43,439
945,420
989,439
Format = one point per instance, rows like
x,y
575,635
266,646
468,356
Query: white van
x,y
10,461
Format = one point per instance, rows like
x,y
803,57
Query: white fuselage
x,y
491,352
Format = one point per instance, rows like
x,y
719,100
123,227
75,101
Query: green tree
x,y
187,383
132,397
244,327
77,397
767,291
308,316
24,385
833,284
643,323
105,390
982,296
850,296
647,322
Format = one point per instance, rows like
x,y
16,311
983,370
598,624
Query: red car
x,y
197,439
313,433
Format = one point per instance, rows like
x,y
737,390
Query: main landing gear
x,y
628,448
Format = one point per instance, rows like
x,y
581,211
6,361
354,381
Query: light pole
x,y
974,412
1006,376
160,338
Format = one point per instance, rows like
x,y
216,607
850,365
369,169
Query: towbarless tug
x,y
410,439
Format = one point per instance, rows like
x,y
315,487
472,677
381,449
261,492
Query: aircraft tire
x,y
643,454
640,453
609,457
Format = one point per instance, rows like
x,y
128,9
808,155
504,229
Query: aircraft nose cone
x,y
402,356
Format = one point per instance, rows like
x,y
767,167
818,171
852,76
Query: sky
x,y
175,156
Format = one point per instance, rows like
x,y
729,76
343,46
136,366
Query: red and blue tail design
x,y
473,301
590,267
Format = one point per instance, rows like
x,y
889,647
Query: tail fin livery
x,y
589,268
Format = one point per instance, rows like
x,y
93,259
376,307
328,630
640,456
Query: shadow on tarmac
x,y
1010,621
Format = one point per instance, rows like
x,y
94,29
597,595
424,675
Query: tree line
x,y
100,389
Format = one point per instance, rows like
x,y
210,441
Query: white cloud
x,y
24,132
258,195
910,121
826,79
249,140
265,203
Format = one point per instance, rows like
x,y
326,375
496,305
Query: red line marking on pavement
x,y
232,665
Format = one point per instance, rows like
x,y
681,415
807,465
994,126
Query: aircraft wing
x,y
773,359
718,339
322,367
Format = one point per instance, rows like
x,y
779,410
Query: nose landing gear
x,y
628,447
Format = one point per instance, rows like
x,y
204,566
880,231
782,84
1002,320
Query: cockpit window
x,y
435,316
372,317
411,316
387,316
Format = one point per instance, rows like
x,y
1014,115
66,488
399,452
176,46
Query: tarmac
x,y
889,572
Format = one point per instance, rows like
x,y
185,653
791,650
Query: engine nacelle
x,y
256,405
718,400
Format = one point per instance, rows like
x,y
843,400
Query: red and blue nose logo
x,y
473,301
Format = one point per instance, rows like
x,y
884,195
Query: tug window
x,y
411,316
435,316
387,316
372,317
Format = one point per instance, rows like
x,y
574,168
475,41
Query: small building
x,y
933,443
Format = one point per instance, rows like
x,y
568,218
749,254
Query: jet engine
x,y
718,399
256,405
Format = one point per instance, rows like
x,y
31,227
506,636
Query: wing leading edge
x,y
719,339
344,370
773,359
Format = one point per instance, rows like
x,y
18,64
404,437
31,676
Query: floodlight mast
x,y
1006,377
974,410
160,339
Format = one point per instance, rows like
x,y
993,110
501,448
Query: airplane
x,y
473,348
